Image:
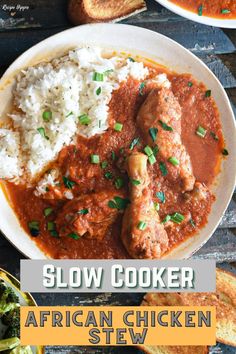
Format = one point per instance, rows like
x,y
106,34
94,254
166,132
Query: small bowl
x,y
190,15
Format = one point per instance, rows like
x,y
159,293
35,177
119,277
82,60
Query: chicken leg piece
x,y
142,233
162,111
88,215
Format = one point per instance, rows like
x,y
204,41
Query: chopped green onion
x,y
190,84
214,136
153,133
192,223
155,150
83,211
141,88
104,164
163,168
54,233
152,159
161,196
174,161
69,114
165,126
42,133
177,218
131,59
118,203
73,235
156,206
225,152
134,143
201,131
84,119
51,226
135,182
200,10
68,183
108,72
142,225
98,76
208,93
122,151
113,155
48,211
166,219
118,127
47,116
95,159
119,183
148,151
98,91
108,175
34,227
225,11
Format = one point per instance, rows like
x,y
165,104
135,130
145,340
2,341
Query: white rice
x,y
9,154
65,87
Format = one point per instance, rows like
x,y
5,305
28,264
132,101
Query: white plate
x,y
206,20
137,41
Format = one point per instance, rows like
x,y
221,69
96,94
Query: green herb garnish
x,y
118,127
68,183
119,183
201,131
165,126
42,133
177,218
48,211
174,161
225,152
208,93
84,119
153,133
134,142
47,116
98,76
161,196
142,225
141,88
74,236
98,91
163,168
95,159
118,203
200,10
135,182
83,211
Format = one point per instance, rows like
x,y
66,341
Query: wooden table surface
x,y
19,30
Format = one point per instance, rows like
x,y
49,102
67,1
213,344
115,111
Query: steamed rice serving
x,y
52,100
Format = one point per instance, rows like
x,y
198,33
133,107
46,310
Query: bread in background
x,y
224,299
88,11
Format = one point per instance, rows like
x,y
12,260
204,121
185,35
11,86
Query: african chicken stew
x,y
138,188
224,9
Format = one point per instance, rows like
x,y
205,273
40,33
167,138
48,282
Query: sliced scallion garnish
x,y
47,116
48,211
141,88
51,226
118,127
104,164
34,228
83,211
68,183
95,159
135,182
108,175
153,133
98,76
208,93
118,203
74,236
142,225
225,11
163,168
98,91
134,142
84,119
201,131
166,219
177,218
41,131
165,126
119,183
225,152
200,10
161,196
190,84
174,161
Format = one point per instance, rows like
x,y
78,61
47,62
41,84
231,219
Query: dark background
x,y
19,30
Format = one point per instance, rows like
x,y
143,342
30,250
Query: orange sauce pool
x,y
197,109
223,9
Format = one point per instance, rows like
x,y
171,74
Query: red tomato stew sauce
x,y
95,170
224,9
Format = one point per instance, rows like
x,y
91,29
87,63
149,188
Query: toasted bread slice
x,y
174,350
87,11
224,299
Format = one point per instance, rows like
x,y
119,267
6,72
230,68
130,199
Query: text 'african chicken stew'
x,y
110,156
